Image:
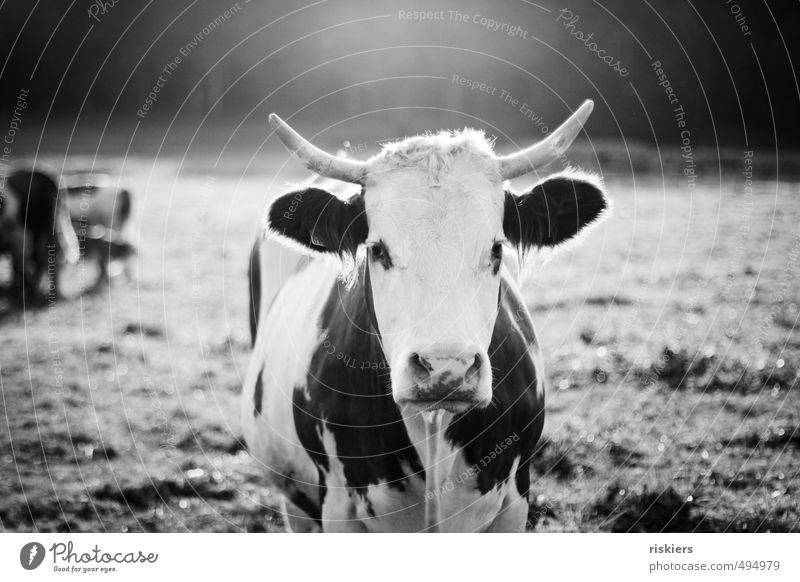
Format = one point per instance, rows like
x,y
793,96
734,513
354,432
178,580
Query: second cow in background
x,y
100,211
35,232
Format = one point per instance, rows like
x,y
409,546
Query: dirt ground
x,y
669,339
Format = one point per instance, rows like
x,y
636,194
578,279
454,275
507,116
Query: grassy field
x,y
669,340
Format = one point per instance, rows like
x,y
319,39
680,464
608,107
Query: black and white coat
x,y
321,414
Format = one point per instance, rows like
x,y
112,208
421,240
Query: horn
x,y
552,147
314,158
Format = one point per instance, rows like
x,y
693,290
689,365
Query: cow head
x,y
429,228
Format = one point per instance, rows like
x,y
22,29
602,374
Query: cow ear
x,y
554,211
319,221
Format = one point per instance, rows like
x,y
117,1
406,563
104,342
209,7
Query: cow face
x,y
428,232
434,251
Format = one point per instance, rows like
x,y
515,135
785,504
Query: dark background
x,y
738,90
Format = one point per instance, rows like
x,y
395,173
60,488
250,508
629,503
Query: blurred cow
x,y
35,230
100,211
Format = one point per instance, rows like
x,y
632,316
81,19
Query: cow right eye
x,y
379,254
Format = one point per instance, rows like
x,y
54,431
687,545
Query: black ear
x,y
554,210
319,221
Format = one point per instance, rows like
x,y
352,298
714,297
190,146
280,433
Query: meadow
x,y
669,341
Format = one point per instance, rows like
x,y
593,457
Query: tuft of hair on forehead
x,y
437,153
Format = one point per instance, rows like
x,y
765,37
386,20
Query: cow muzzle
x,y
453,378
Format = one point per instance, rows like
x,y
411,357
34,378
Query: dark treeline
x,y
727,64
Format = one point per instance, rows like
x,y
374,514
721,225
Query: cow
x,y
36,232
396,381
100,211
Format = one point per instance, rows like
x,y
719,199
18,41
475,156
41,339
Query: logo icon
x,y
31,555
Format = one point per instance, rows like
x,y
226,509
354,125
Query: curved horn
x,y
547,150
314,158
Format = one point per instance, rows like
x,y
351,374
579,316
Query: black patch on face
x,y
320,221
552,212
350,394
258,394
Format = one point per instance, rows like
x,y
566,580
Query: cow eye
x,y
497,257
497,250
378,253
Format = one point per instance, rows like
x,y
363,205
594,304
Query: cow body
x,y
319,415
396,381
100,211
35,231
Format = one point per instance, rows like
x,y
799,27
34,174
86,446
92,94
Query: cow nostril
x,y
476,365
421,365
